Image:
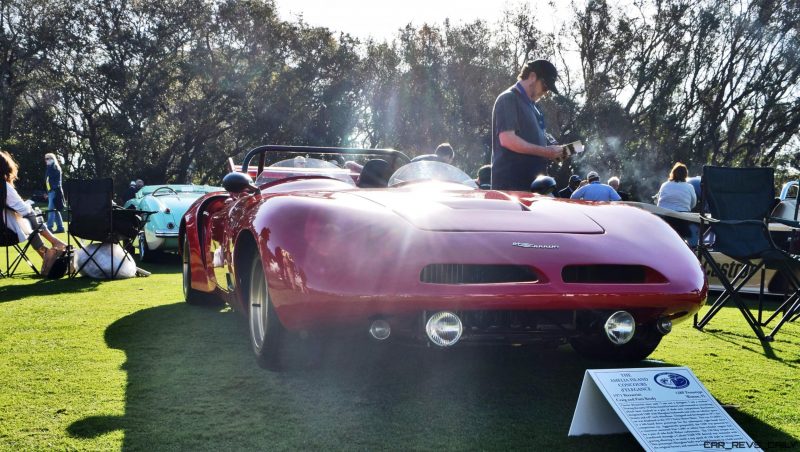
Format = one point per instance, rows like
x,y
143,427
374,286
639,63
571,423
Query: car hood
x,y
488,211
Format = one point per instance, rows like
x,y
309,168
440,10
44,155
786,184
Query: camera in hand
x,y
570,149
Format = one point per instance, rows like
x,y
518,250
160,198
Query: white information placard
x,y
666,409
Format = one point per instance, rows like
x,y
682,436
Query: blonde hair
x,y
8,167
50,155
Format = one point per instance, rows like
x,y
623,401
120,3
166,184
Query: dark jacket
x,y
565,192
129,194
53,179
53,176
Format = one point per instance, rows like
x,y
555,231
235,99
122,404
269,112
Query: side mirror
x,y
237,182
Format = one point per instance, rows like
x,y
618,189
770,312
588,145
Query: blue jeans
x,y
53,215
694,235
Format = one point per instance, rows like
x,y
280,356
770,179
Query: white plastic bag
x,y
103,258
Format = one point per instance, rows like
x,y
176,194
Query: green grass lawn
x,y
127,365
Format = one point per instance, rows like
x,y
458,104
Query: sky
x,y
381,20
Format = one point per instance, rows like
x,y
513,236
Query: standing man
x,y
444,153
520,150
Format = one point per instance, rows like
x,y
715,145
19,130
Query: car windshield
x,y
430,171
303,162
176,189
303,166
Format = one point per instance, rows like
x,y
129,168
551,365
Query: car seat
x,y
375,174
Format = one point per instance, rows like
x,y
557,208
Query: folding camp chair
x,y
93,217
740,201
9,239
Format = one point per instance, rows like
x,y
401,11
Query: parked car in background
x,y
169,202
427,257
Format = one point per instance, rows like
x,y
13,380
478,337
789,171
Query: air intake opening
x,y
476,274
611,274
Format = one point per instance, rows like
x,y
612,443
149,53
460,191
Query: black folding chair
x,y
9,239
93,217
739,202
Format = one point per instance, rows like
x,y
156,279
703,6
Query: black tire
x,y
267,334
598,347
145,253
192,296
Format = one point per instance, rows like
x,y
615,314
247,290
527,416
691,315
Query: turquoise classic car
x,y
169,202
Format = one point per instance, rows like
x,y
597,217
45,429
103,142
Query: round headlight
x,y
620,327
664,325
444,328
380,329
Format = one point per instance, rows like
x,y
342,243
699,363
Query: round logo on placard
x,y
671,380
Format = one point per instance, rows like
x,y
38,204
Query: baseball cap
x,y
547,72
592,175
574,179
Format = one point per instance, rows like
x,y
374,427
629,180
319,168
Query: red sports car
x,y
416,252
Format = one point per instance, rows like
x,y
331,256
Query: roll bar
x,y
261,152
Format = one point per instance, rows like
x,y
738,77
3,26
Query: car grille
x,y
516,326
611,274
476,274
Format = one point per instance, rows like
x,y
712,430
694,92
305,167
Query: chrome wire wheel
x,y
259,307
266,330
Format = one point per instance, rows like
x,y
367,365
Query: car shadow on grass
x,y
193,384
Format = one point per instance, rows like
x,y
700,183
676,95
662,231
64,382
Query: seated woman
x,y
679,195
21,218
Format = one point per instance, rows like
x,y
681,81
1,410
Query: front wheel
x,y
266,330
596,347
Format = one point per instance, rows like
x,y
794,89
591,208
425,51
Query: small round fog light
x,y
444,328
664,326
380,329
620,327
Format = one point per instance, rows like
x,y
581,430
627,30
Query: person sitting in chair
x,y
679,195
22,219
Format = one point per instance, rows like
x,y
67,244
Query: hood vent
x,y
476,274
